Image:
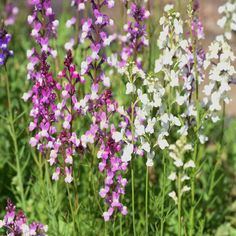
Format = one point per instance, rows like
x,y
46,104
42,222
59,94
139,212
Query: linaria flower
x,y
5,53
15,223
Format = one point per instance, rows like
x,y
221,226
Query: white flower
x,y
189,164
26,96
173,196
130,88
185,177
178,26
1,223
146,147
150,125
178,162
117,136
203,139
150,157
127,153
185,189
161,141
68,178
172,176
168,7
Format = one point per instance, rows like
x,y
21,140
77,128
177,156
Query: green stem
x,y
133,208
132,171
146,200
13,134
198,120
179,205
121,230
163,196
71,207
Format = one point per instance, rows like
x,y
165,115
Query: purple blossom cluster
x,y
80,4
11,12
5,53
197,35
43,92
136,35
102,107
15,223
59,105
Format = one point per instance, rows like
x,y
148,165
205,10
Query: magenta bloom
x,y
15,223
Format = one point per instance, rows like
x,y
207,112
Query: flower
x,y
5,53
15,223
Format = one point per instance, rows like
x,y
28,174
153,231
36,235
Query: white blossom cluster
x,y
219,62
228,20
178,153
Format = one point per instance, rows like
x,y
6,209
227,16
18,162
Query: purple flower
x,y
5,53
15,223
11,11
136,36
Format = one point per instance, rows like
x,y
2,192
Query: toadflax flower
x,y
15,223
100,105
5,53
43,92
219,61
10,14
136,35
228,19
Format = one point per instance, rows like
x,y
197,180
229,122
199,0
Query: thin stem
x,y
133,208
71,206
198,120
163,196
121,230
132,171
13,135
179,205
146,200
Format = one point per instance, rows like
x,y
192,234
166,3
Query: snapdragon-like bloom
x,y
219,61
11,12
100,105
194,47
136,36
5,53
15,223
43,92
228,20
80,4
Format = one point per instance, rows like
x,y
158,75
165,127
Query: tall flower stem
x,y
219,152
163,196
132,170
198,120
179,205
13,135
146,200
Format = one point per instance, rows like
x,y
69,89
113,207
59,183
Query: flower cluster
x,y
178,153
5,53
103,107
194,51
228,20
136,35
11,12
219,61
80,4
15,223
43,92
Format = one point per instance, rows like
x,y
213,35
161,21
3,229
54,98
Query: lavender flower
x,y
42,93
136,35
102,107
5,53
11,12
15,223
